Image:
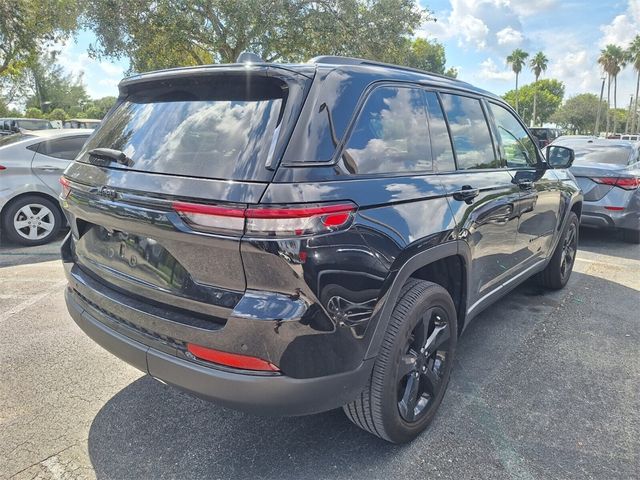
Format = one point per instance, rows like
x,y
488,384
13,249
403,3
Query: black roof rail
x,y
338,60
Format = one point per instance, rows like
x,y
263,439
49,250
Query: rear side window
x,y
469,132
65,148
516,147
390,134
440,140
215,127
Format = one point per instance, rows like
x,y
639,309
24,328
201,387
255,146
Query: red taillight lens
x,y
234,360
2,167
66,187
278,221
627,183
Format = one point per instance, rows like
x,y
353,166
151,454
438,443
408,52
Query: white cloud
x,y
527,8
509,36
490,71
623,28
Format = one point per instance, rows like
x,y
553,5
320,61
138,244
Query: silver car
x,y
30,168
608,172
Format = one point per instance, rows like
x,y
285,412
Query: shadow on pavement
x,y
149,430
592,240
12,254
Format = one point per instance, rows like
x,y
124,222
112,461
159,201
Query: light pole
x,y
626,127
597,129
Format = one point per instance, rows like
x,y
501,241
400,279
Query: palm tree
x,y
612,59
633,56
517,60
538,64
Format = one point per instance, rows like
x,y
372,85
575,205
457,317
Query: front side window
x,y
469,132
390,134
516,147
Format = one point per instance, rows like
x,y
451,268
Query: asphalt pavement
x,y
546,385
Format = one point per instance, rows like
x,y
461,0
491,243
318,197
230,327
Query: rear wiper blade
x,y
109,155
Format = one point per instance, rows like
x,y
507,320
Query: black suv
x,y
288,239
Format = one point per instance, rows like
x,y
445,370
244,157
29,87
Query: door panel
x,y
48,170
488,223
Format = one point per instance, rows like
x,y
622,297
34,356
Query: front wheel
x,y
411,373
557,272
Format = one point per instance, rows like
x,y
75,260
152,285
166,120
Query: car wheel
x,y
31,220
631,236
412,370
557,272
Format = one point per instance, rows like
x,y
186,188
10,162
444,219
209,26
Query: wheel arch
x,y
447,263
45,195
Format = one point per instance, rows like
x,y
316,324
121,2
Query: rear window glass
x,y
616,155
34,124
65,148
470,132
391,134
11,139
215,127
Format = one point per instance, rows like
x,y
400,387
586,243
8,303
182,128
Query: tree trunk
x,y
535,100
517,109
634,113
608,103
615,104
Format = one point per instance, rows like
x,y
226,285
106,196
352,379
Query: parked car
x,y
608,172
9,126
30,168
82,123
545,135
288,239
633,138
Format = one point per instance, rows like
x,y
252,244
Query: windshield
x,y
11,139
213,128
34,124
614,154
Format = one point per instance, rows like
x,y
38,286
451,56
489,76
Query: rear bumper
x,y
261,394
599,217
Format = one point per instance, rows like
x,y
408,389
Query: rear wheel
x,y
413,367
31,220
556,275
631,236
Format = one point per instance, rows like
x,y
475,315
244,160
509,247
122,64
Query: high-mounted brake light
x,y
234,360
627,183
271,221
66,187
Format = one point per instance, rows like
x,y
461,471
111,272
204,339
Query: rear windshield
x,y
34,124
214,127
615,155
11,139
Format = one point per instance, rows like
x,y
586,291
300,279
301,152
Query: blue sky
x,y
478,35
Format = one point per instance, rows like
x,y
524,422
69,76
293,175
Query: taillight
x,y
66,187
627,183
272,221
2,167
234,360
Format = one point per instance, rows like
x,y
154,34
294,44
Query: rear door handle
x,y
526,185
466,194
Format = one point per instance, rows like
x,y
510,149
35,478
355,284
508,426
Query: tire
x,y
557,272
402,376
40,216
631,236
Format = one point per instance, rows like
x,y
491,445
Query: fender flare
x,y
390,297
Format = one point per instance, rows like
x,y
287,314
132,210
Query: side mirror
x,y
560,157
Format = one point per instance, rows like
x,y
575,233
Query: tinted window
x,y
516,147
214,127
390,134
615,154
15,138
34,124
440,141
65,148
469,132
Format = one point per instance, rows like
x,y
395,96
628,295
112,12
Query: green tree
x,y
33,112
51,87
57,114
425,55
27,26
579,113
546,94
538,64
633,56
517,60
167,33
612,59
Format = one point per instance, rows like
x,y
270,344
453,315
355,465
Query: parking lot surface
x,y
546,385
